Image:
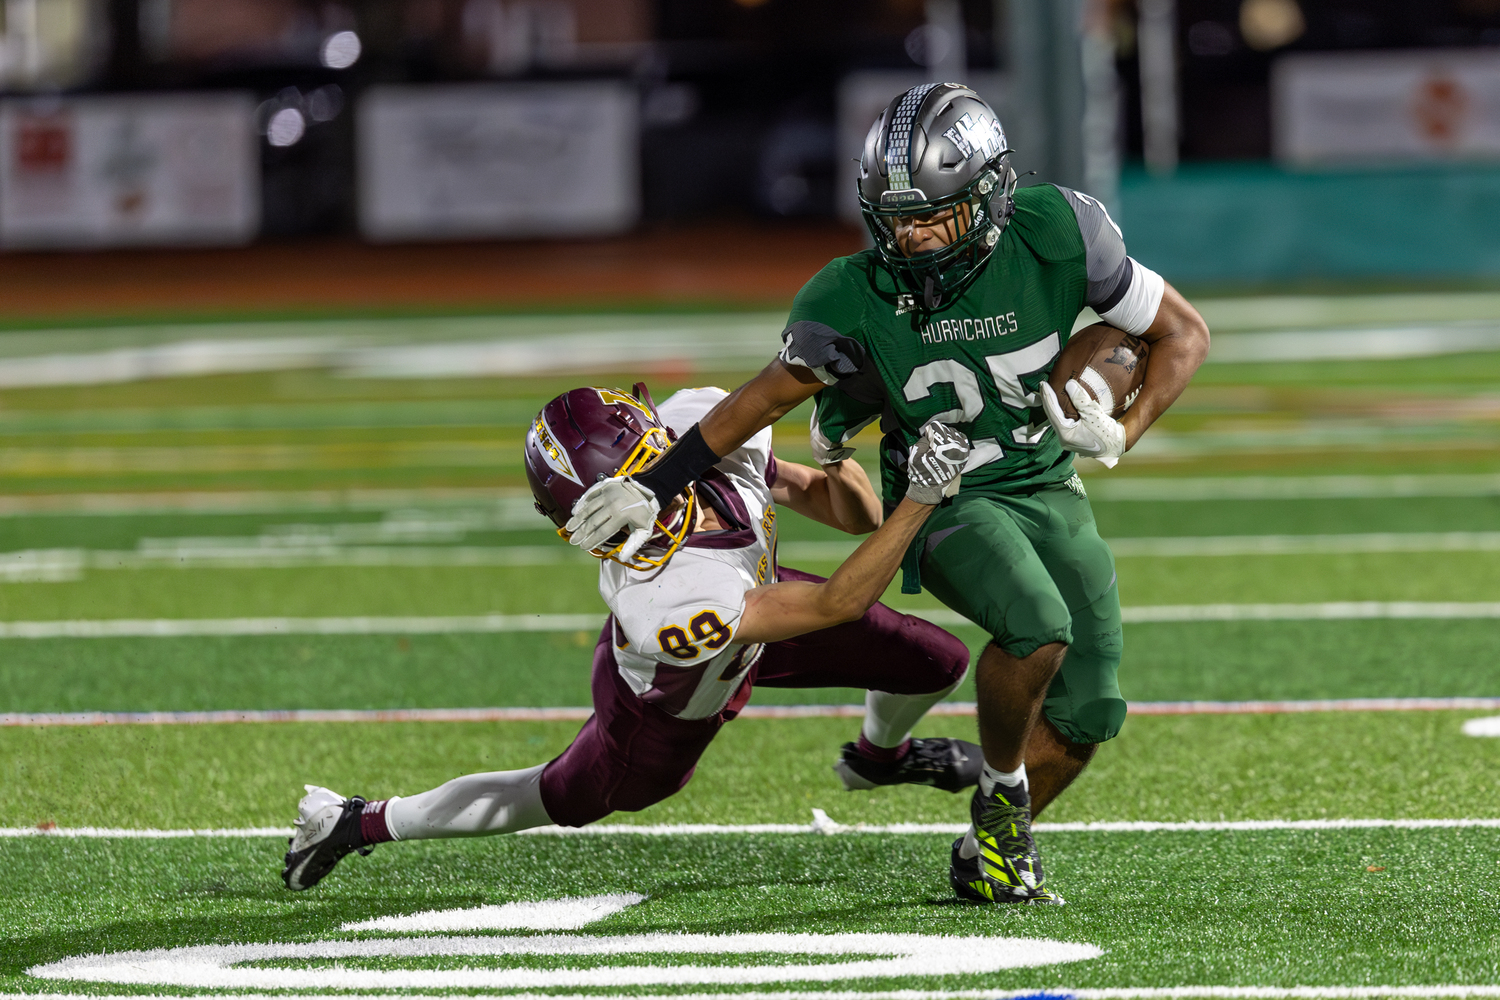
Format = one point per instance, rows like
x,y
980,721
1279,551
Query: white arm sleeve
x,y
1136,310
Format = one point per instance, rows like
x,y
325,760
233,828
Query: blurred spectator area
x,y
1236,140
724,265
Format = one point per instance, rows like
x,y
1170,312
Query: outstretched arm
x,y
632,503
795,607
783,610
760,402
838,494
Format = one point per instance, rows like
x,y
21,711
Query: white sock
x,y
474,805
889,717
970,846
989,777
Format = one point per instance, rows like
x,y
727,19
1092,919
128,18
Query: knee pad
x,y
1084,701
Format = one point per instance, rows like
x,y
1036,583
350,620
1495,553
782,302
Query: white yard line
x,y
1237,545
1457,991
1101,486
249,501
263,552
108,628
822,825
1165,488
364,625
580,713
1325,611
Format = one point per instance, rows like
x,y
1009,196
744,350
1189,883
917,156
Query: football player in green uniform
x,y
958,313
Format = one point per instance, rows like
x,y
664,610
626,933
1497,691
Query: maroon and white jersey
x,y
672,626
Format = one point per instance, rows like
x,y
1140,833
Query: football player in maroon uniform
x,y
698,617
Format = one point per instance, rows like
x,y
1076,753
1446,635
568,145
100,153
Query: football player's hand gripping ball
x,y
935,463
1094,434
605,507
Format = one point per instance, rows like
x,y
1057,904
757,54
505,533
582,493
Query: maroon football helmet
x,y
590,434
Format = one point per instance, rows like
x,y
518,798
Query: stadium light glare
x,y
286,127
341,50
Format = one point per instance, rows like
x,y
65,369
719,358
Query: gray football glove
x,y
935,463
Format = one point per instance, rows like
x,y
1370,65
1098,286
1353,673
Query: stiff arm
x,y
794,607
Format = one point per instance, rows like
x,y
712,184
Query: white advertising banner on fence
x,y
495,160
129,170
1413,105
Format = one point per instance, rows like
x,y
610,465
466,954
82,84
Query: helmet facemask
x,y
973,216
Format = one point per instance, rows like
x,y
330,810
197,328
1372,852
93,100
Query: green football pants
x,y
1032,570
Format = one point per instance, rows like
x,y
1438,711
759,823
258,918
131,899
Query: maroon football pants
x,y
630,755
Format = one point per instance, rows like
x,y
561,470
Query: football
x,y
1108,362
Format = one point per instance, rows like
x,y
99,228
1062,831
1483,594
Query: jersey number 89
x,y
706,627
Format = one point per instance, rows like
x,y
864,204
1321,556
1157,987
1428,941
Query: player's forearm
x,y
1179,341
784,610
863,577
851,497
756,404
759,403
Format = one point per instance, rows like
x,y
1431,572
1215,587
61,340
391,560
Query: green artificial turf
x,y
469,590
1116,519
1201,661
1376,764
1269,908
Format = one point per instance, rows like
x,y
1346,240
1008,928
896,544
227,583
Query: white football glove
x,y
608,506
1094,434
935,464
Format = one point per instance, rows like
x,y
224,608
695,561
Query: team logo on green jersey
x,y
942,331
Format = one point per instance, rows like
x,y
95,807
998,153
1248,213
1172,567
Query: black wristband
x,y
682,463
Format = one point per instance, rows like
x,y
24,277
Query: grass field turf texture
x,y
1392,906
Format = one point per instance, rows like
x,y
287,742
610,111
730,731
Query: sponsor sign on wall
x,y
1374,107
129,170
522,160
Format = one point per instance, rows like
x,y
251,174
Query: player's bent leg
x,y
997,859
1052,763
1010,690
629,755
1083,707
907,665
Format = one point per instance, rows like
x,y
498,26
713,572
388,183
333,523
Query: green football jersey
x,y
978,362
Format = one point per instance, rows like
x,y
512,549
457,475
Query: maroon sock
x,y
372,823
881,755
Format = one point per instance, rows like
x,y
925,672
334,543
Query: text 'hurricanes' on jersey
x,y
978,362
672,626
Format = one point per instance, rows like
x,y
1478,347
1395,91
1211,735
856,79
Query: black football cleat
x,y
1005,866
327,829
949,764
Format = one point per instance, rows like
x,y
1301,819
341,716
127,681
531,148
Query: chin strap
x,y
932,296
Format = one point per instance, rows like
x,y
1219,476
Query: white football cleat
x,y
327,828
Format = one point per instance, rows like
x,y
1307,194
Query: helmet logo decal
x,y
557,459
612,396
984,135
898,139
